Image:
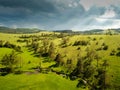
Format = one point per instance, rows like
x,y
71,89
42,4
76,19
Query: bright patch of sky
x,y
100,3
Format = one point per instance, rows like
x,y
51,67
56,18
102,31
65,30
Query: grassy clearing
x,y
49,81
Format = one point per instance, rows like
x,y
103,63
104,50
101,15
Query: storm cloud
x,y
60,14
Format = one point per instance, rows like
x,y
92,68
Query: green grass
x,y
53,81
28,59
4,51
49,81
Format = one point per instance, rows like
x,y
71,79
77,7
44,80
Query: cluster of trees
x,y
45,48
64,42
91,76
10,62
115,52
7,44
82,43
103,47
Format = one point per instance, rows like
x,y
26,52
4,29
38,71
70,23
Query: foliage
x,y
51,50
90,76
58,59
83,43
9,60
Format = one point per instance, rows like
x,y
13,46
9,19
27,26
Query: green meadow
x,y
58,61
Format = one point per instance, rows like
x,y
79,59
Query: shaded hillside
x,y
19,30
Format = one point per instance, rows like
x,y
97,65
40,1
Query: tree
x,y
45,43
89,75
1,43
7,44
18,49
64,42
51,51
9,60
58,59
77,72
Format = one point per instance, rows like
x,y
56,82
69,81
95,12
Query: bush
x,y
78,48
7,45
94,39
112,52
1,43
82,43
118,54
98,49
9,60
105,47
118,48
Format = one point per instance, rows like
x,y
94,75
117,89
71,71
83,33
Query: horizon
x,y
59,29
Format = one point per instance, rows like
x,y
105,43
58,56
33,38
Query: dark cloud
x,y
52,14
34,5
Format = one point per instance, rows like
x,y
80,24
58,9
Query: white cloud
x,y
104,3
101,20
97,23
70,5
114,23
75,4
110,13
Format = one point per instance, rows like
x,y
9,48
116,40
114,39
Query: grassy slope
x,y
36,82
50,80
40,81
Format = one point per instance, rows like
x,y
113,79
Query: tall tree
x,y
51,50
58,59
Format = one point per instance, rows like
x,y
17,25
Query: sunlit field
x,y
59,61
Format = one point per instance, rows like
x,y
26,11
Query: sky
x,y
60,14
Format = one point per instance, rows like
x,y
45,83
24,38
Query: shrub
x,y
1,43
82,43
58,59
7,44
69,61
118,48
9,60
112,52
105,47
118,54
103,44
96,43
78,48
94,39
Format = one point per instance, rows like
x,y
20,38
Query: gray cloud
x,y
56,14
34,5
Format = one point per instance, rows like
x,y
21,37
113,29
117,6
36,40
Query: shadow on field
x,y
4,71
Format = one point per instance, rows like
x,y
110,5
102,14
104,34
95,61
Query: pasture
x,y
46,61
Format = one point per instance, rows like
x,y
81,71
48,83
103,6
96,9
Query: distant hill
x,y
116,30
64,31
36,30
19,30
93,31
